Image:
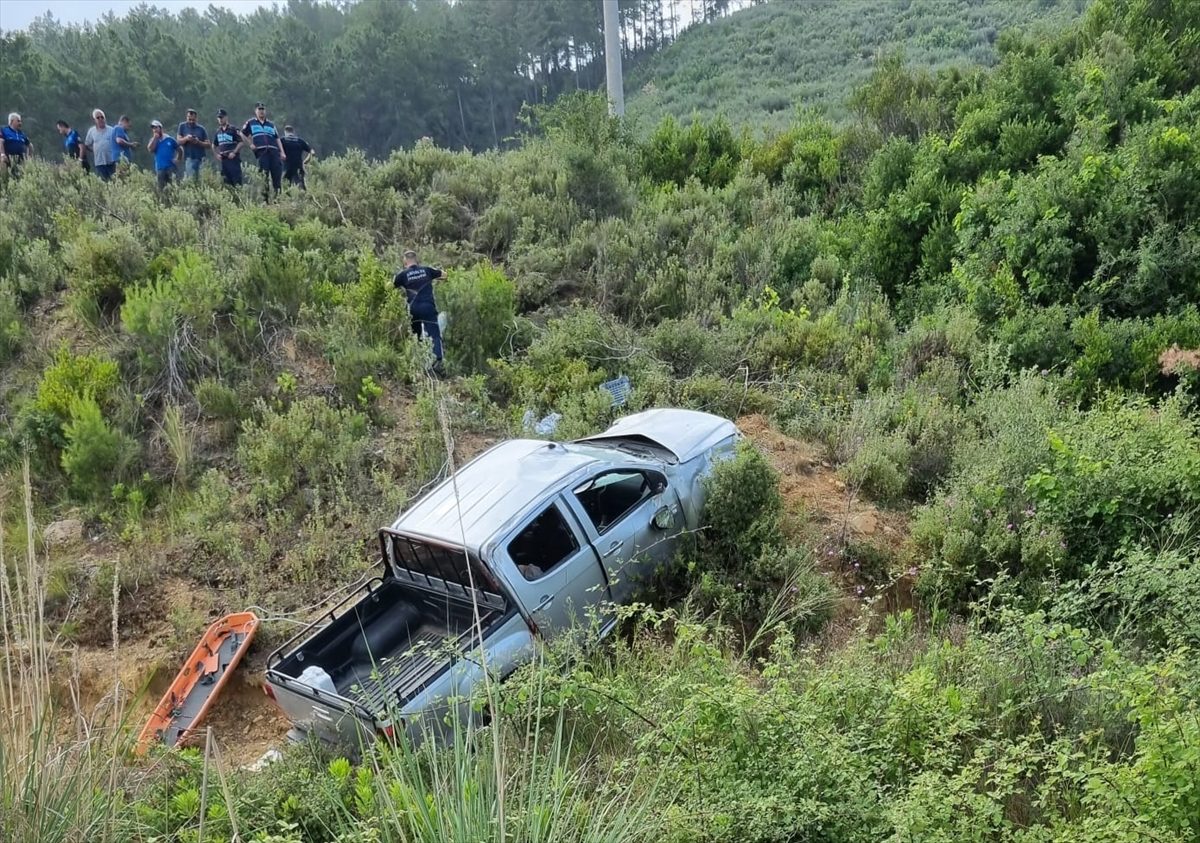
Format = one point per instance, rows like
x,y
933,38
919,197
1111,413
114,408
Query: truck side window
x,y
608,497
542,545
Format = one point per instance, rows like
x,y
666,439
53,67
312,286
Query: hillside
x,y
947,589
757,66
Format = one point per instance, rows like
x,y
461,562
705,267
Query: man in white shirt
x,y
99,142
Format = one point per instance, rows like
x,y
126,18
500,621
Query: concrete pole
x,y
612,58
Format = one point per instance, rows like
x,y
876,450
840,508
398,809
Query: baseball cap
x,y
260,105
191,111
222,112
155,124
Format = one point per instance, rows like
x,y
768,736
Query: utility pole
x,y
612,58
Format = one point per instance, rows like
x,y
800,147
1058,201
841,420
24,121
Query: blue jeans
x,y
191,167
105,171
424,322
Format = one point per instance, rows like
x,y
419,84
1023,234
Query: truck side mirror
x,y
658,483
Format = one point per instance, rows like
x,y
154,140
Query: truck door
x,y
632,517
554,570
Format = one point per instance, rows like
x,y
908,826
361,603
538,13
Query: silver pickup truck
x,y
527,540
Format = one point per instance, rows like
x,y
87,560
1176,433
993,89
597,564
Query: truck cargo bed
x,y
388,645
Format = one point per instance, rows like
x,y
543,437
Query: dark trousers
x,y
231,171
271,167
424,322
295,177
166,176
105,171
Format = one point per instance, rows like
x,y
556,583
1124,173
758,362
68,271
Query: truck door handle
x,y
546,600
614,547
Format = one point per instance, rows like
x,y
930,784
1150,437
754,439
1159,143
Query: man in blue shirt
x,y
165,149
264,140
194,139
121,141
16,145
72,145
417,283
228,144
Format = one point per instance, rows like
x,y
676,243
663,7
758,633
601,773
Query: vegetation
x,y
756,68
972,307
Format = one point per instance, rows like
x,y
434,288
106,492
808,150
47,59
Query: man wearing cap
x,y
121,139
417,283
165,150
194,139
99,142
298,154
264,140
228,147
16,145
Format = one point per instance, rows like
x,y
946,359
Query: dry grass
x,y
59,764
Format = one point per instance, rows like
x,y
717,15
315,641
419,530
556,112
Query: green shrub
x,y
480,304
96,455
742,509
311,447
72,377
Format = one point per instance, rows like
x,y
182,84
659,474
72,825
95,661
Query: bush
x,y
480,304
96,455
742,510
72,377
311,447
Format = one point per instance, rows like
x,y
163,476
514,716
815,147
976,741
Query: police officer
x,y
227,142
264,140
417,283
299,153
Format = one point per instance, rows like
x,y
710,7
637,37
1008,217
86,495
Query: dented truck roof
x,y
490,492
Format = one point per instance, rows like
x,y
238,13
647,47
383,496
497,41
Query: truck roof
x,y
493,489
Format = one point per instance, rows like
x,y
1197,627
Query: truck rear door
x,y
553,569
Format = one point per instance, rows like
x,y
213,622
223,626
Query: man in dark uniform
x,y
417,283
228,144
264,140
298,154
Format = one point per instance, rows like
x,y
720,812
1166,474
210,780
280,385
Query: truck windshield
x,y
440,567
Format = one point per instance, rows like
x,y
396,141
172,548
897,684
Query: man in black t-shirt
x,y
417,283
260,133
227,143
298,154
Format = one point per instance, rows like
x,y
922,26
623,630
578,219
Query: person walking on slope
x,y
264,140
298,154
99,142
72,144
16,146
228,145
193,138
165,150
417,283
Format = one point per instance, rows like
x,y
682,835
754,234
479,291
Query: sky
x,y
18,14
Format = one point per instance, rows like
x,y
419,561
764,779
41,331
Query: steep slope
x,y
758,65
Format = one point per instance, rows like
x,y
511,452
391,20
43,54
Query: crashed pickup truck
x,y
525,541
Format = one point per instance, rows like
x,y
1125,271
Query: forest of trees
x,y
371,75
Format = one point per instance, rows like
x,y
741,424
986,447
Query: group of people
x,y
105,146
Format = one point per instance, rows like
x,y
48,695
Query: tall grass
x,y
59,765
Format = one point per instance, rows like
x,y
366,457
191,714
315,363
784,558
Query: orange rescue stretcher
x,y
198,683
